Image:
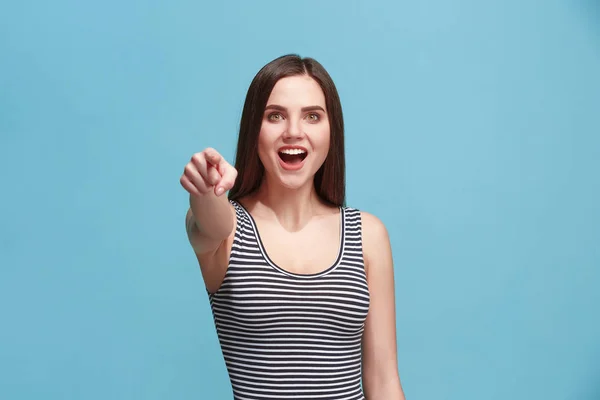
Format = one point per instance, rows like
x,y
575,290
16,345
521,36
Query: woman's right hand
x,y
208,171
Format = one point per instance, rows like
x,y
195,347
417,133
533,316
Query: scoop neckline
x,y
274,265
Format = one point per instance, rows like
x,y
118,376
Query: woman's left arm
x,y
381,380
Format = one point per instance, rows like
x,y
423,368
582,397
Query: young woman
x,y
301,286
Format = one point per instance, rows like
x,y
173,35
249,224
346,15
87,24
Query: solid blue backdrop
x,y
473,132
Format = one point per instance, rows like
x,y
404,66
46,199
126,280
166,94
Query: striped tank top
x,y
292,336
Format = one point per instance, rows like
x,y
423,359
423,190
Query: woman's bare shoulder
x,y
375,242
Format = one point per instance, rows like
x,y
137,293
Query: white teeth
x,y
293,152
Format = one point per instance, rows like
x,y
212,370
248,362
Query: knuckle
x,y
197,158
189,169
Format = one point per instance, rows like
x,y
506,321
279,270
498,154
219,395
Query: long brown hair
x,y
330,179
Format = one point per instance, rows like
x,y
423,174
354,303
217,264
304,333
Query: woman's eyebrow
x,y
304,109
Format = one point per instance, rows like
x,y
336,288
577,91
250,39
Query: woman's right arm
x,y
210,220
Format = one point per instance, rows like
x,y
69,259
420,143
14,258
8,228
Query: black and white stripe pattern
x,y
291,336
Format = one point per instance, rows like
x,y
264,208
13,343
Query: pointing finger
x,y
213,176
229,174
207,171
194,177
213,157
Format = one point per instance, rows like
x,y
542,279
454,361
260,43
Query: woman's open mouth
x,y
292,158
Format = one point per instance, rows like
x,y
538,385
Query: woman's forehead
x,y
298,91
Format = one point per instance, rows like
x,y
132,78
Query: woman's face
x,y
294,136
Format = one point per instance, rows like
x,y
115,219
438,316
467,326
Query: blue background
x,y
473,132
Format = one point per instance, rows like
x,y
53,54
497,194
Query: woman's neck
x,y
293,208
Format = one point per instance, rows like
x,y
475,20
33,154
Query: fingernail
x,y
219,191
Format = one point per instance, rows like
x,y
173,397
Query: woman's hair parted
x,y
330,179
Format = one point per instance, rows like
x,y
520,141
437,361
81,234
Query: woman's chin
x,y
290,179
292,182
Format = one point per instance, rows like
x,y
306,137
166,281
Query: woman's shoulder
x,y
372,226
376,243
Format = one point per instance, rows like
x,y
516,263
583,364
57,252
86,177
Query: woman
x,y
301,286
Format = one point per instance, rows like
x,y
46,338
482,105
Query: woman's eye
x,y
313,117
275,117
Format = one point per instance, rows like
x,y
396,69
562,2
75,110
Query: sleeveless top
x,y
292,336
